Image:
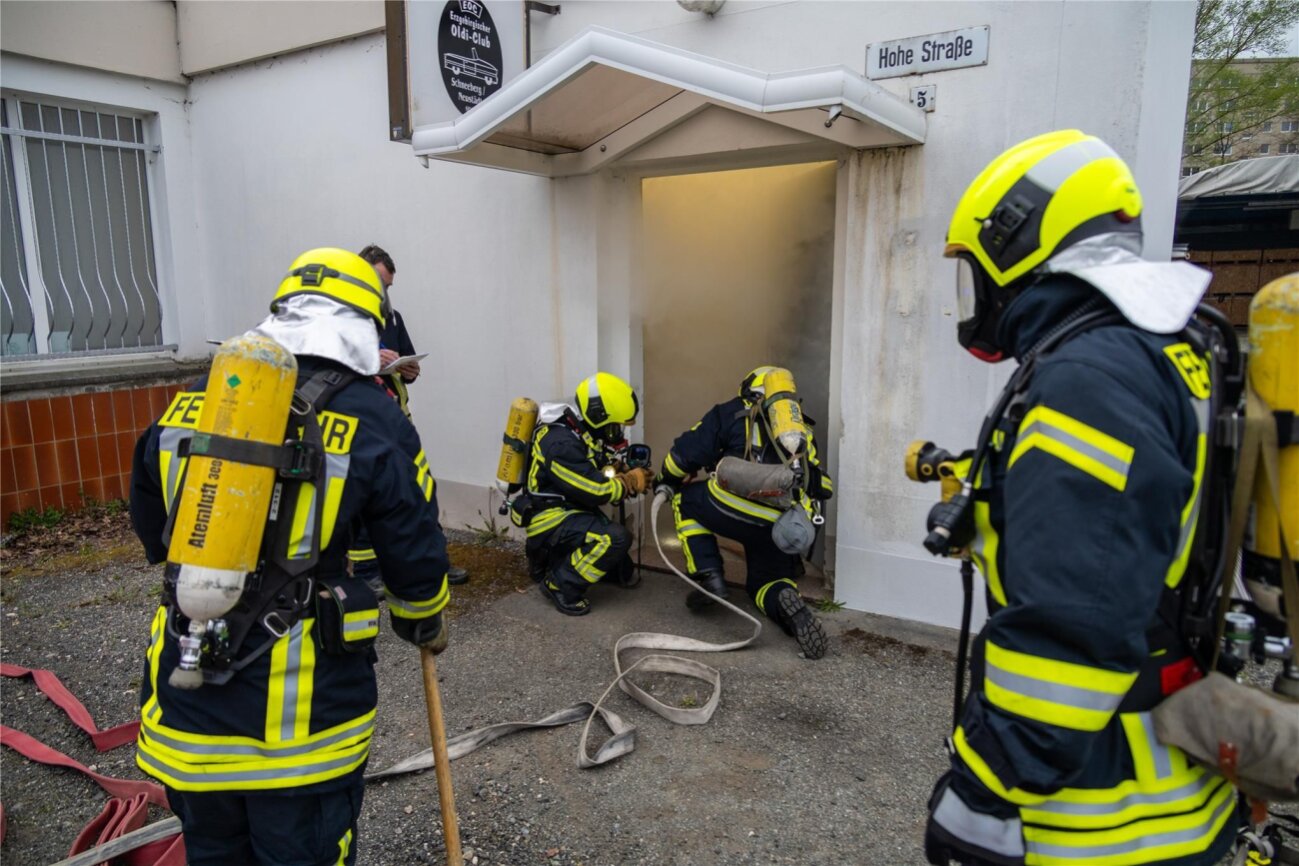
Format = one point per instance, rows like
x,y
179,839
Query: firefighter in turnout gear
x,y
739,428
1084,494
574,471
263,759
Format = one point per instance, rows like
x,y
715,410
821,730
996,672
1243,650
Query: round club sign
x,y
469,53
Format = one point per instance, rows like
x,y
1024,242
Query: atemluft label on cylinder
x,y
953,49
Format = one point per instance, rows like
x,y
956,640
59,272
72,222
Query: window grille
x,y
79,271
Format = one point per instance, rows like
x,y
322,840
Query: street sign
x,y
920,54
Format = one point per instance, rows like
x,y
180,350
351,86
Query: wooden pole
x,y
441,764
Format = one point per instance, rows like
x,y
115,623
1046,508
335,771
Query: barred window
x,y
78,268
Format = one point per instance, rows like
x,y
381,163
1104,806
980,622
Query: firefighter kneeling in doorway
x,y
763,425
574,470
1083,497
259,693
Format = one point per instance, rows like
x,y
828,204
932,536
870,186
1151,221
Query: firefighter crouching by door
x,y
1082,522
258,720
741,429
573,471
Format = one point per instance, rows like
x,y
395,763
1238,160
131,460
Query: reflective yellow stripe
x,y
984,550
303,512
1083,447
403,609
333,498
760,597
1059,693
609,488
1191,512
362,554
1144,841
742,505
194,762
980,768
153,654
685,531
670,465
424,476
164,465
361,624
344,847
585,564
548,520
226,748
289,684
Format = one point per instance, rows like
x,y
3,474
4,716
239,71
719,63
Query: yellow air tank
x,y
784,415
519,425
218,530
1274,375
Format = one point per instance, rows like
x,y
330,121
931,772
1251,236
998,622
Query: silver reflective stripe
x,y
1056,693
1090,853
1201,408
292,677
1158,751
169,440
208,778
418,609
357,626
199,750
1005,837
1052,172
1190,789
303,548
336,466
1050,431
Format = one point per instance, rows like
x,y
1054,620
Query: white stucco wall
x,y
131,37
217,33
518,285
292,153
1118,70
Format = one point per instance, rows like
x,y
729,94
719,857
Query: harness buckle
x,y
302,460
279,628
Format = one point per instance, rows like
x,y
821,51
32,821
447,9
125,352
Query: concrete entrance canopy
x,y
603,94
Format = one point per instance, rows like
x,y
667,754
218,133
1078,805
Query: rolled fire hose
x,y
622,739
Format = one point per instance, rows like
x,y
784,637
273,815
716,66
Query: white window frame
x,y
26,217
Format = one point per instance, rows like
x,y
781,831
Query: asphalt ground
x,y
810,762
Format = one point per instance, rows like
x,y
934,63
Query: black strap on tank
x,y
281,591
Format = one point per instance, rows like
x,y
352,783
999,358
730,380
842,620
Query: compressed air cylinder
x,y
1274,375
223,507
519,425
784,415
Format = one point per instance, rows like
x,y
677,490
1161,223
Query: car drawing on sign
x,y
472,66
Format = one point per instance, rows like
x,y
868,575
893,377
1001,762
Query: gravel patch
x,y
805,762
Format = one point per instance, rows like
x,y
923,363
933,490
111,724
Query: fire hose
x,y
622,739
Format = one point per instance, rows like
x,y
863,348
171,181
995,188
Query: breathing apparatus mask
x,y
979,307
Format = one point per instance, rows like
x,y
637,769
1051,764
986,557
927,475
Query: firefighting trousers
x,y
270,828
700,518
579,551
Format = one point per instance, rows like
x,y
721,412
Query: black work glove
x,y
942,848
429,633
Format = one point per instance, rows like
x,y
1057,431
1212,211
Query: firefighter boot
x,y
709,579
800,623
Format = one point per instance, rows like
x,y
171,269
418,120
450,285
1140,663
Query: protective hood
x,y
1159,297
549,413
320,326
